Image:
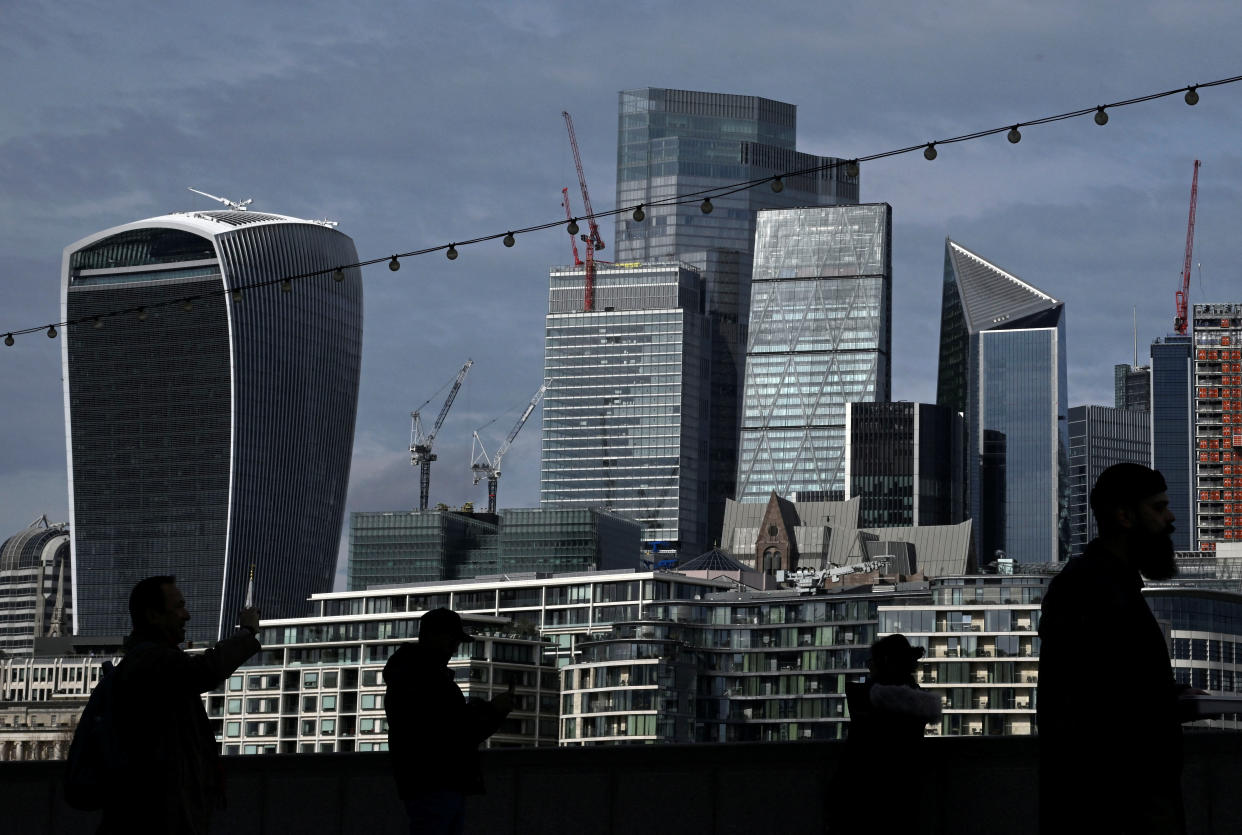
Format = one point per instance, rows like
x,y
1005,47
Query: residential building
x,y
982,642
1002,364
1217,398
1173,430
1132,387
1205,637
820,339
209,429
906,464
626,412
35,595
318,684
1099,437
387,548
674,142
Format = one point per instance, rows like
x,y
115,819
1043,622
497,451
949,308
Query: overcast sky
x,y
418,124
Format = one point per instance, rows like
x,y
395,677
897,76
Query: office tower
x,y
1218,423
626,413
906,464
1002,364
673,142
821,307
209,436
1100,437
1132,386
1173,428
35,597
418,546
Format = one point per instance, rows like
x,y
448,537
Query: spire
x,y
250,588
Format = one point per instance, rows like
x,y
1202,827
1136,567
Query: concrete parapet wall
x,y
970,785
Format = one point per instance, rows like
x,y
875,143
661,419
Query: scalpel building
x,y
209,419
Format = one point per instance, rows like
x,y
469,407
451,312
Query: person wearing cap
x,y
888,714
434,733
1108,713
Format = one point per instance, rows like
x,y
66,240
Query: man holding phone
x,y
434,732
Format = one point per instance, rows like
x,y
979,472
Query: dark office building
x,y
672,142
1132,387
421,546
905,463
209,428
1172,430
1100,437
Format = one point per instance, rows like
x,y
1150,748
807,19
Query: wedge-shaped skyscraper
x,y
213,434
1002,364
820,312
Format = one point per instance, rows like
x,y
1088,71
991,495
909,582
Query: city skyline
x,y
91,144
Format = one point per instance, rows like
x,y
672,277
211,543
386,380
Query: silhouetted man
x,y
433,732
1109,718
172,777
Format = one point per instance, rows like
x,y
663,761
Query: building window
x,y
771,559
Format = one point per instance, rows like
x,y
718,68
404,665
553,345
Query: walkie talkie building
x,y
213,433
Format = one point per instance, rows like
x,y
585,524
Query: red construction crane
x,y
1179,323
593,241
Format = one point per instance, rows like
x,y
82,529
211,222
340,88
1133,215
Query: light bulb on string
x,y
706,206
777,185
509,240
97,323
929,153
394,264
8,339
851,168
236,294
142,314
1101,118
1192,95
452,252
1015,135
338,274
286,286
639,214
572,228
51,331
187,305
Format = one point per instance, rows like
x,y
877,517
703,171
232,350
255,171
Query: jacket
x,y
171,753
1109,724
434,733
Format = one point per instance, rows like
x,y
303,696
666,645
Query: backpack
x,y
96,763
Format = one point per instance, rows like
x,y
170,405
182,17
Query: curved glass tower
x,y
207,437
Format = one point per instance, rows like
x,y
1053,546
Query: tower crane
x,y
482,466
594,243
421,455
1180,322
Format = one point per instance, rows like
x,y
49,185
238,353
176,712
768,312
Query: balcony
x,y
686,789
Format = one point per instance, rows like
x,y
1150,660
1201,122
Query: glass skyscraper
x,y
1100,436
672,142
1172,430
1002,364
625,417
214,435
820,336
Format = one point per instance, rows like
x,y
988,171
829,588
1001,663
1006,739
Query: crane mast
x,y
1182,296
482,466
421,455
594,243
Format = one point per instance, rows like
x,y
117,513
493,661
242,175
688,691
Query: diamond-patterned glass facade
x,y
821,306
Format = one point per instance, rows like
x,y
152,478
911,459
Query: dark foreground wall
x,y
971,785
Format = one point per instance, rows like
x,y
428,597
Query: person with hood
x,y
172,777
434,733
1109,709
888,714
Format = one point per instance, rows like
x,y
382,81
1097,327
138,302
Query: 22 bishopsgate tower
x,y
209,424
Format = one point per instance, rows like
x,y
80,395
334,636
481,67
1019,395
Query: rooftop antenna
x,y
250,588
235,206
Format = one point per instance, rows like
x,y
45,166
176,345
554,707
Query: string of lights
x,y
704,197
